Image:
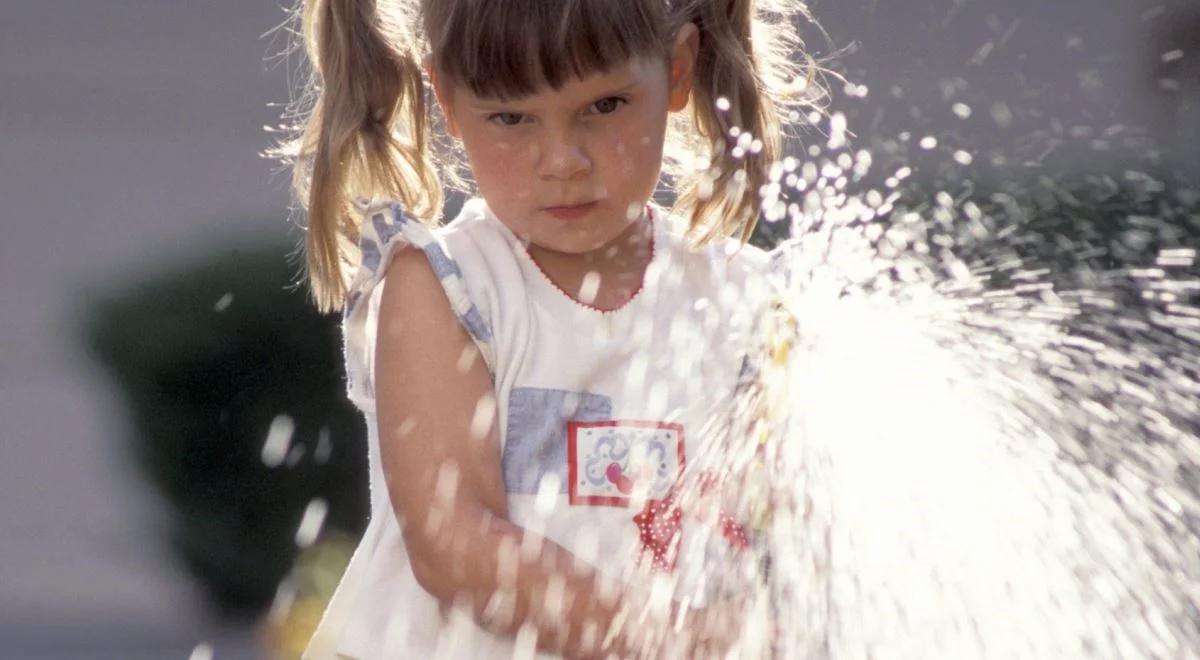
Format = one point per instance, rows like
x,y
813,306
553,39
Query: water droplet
x,y
837,131
324,447
1001,114
311,522
589,288
279,440
485,414
223,303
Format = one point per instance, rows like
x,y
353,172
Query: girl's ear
x,y
444,97
683,65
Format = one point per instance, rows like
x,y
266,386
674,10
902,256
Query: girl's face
x,y
596,141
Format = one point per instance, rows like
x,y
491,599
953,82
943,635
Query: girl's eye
x,y
505,118
604,106
609,104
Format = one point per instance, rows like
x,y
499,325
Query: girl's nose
x,y
561,157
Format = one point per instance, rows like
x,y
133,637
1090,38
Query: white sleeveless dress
x,y
598,412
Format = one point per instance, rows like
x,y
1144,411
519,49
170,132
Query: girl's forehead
x,y
633,72
513,48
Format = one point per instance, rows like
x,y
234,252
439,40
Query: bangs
x,y
508,49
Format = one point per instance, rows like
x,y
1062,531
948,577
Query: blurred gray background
x,y
130,133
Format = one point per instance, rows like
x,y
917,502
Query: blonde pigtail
x,y
746,79
368,87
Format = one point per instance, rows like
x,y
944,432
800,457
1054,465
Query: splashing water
x,y
971,432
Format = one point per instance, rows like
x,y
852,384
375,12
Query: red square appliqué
x,y
609,462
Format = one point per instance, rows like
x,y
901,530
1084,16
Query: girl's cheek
x,y
624,159
629,168
635,154
504,163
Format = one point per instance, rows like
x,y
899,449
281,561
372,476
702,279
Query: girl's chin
x,y
574,241
568,248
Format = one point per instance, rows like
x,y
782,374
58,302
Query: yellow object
x,y
306,592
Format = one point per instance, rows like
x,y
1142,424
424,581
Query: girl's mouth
x,y
571,212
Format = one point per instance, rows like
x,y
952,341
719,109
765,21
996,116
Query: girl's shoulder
x,y
473,221
386,225
384,220
478,240
731,258
387,229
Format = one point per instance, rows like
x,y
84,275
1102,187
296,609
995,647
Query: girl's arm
x,y
441,458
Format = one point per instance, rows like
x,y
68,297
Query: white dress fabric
x,y
598,411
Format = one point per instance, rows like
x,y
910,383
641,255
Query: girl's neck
x,y
620,265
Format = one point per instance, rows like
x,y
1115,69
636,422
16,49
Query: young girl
x,y
535,374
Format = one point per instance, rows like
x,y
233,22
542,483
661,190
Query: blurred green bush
x,y
207,357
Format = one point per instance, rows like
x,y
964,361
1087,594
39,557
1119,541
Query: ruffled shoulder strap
x,y
385,227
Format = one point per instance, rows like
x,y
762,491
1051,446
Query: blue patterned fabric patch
x,y
370,254
536,435
386,230
474,323
394,224
442,266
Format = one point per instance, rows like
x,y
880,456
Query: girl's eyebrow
x,y
492,105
